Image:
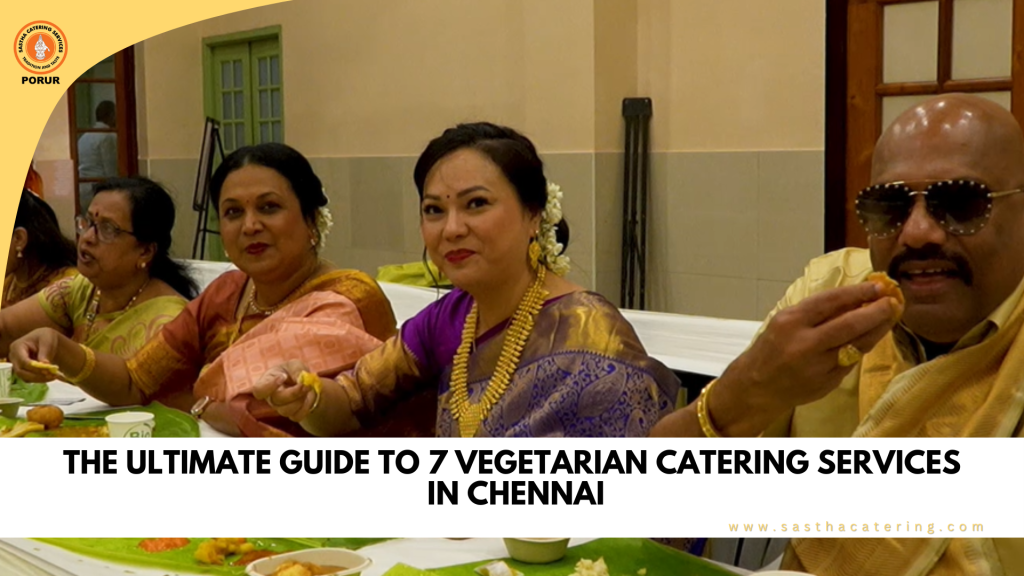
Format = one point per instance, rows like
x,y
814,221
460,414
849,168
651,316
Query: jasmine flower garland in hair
x,y
550,247
324,221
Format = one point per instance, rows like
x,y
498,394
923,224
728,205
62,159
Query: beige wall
x,y
53,162
734,74
381,78
737,132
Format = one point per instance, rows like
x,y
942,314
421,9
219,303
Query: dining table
x,y
397,557
76,404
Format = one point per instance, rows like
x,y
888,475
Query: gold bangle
x,y
704,415
316,401
87,368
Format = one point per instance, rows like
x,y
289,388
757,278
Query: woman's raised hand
x,y
34,355
280,387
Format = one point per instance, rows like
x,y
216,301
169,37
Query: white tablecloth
x,y
19,557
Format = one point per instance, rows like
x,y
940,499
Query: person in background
x,y
515,349
842,356
283,302
97,151
127,288
39,254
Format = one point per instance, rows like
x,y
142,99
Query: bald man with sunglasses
x,y
945,218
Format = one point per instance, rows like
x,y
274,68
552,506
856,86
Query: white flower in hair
x,y
551,248
324,221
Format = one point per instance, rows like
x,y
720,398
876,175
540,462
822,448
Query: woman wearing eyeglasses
x,y
283,302
128,286
39,255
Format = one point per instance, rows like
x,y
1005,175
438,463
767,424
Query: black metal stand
x,y
637,114
201,196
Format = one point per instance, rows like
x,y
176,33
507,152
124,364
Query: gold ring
x,y
849,355
268,401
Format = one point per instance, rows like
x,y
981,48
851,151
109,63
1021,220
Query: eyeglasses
x,y
961,207
106,230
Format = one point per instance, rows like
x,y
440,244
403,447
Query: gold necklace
x,y
32,279
470,416
250,303
94,308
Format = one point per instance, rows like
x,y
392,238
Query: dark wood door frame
x,y
853,97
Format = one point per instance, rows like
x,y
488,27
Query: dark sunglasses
x,y
960,207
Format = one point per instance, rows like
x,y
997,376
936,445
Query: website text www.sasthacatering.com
x,y
852,528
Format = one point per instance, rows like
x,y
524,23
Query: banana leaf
x,y
126,551
623,556
170,423
30,393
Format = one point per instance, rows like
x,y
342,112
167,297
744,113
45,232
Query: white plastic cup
x,y
6,376
131,425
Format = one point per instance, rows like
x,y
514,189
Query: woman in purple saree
x,y
515,349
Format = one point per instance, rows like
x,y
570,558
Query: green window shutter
x,y
243,90
232,86
267,96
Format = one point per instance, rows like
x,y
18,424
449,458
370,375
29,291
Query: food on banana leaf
x,y
156,545
214,550
20,429
49,416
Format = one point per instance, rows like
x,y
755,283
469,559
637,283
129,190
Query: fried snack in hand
x,y
311,380
889,287
49,416
22,428
45,367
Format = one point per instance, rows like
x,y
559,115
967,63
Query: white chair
x,y
204,272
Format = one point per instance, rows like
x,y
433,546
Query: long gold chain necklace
x,y
94,307
470,416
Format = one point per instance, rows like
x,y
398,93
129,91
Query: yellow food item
x,y
889,288
209,553
44,366
214,550
81,432
292,568
21,429
587,567
49,416
311,380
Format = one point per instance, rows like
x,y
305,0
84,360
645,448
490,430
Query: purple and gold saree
x,y
582,373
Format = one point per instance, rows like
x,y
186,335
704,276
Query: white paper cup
x,y
6,376
130,425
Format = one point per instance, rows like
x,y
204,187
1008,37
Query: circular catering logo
x,y
40,47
